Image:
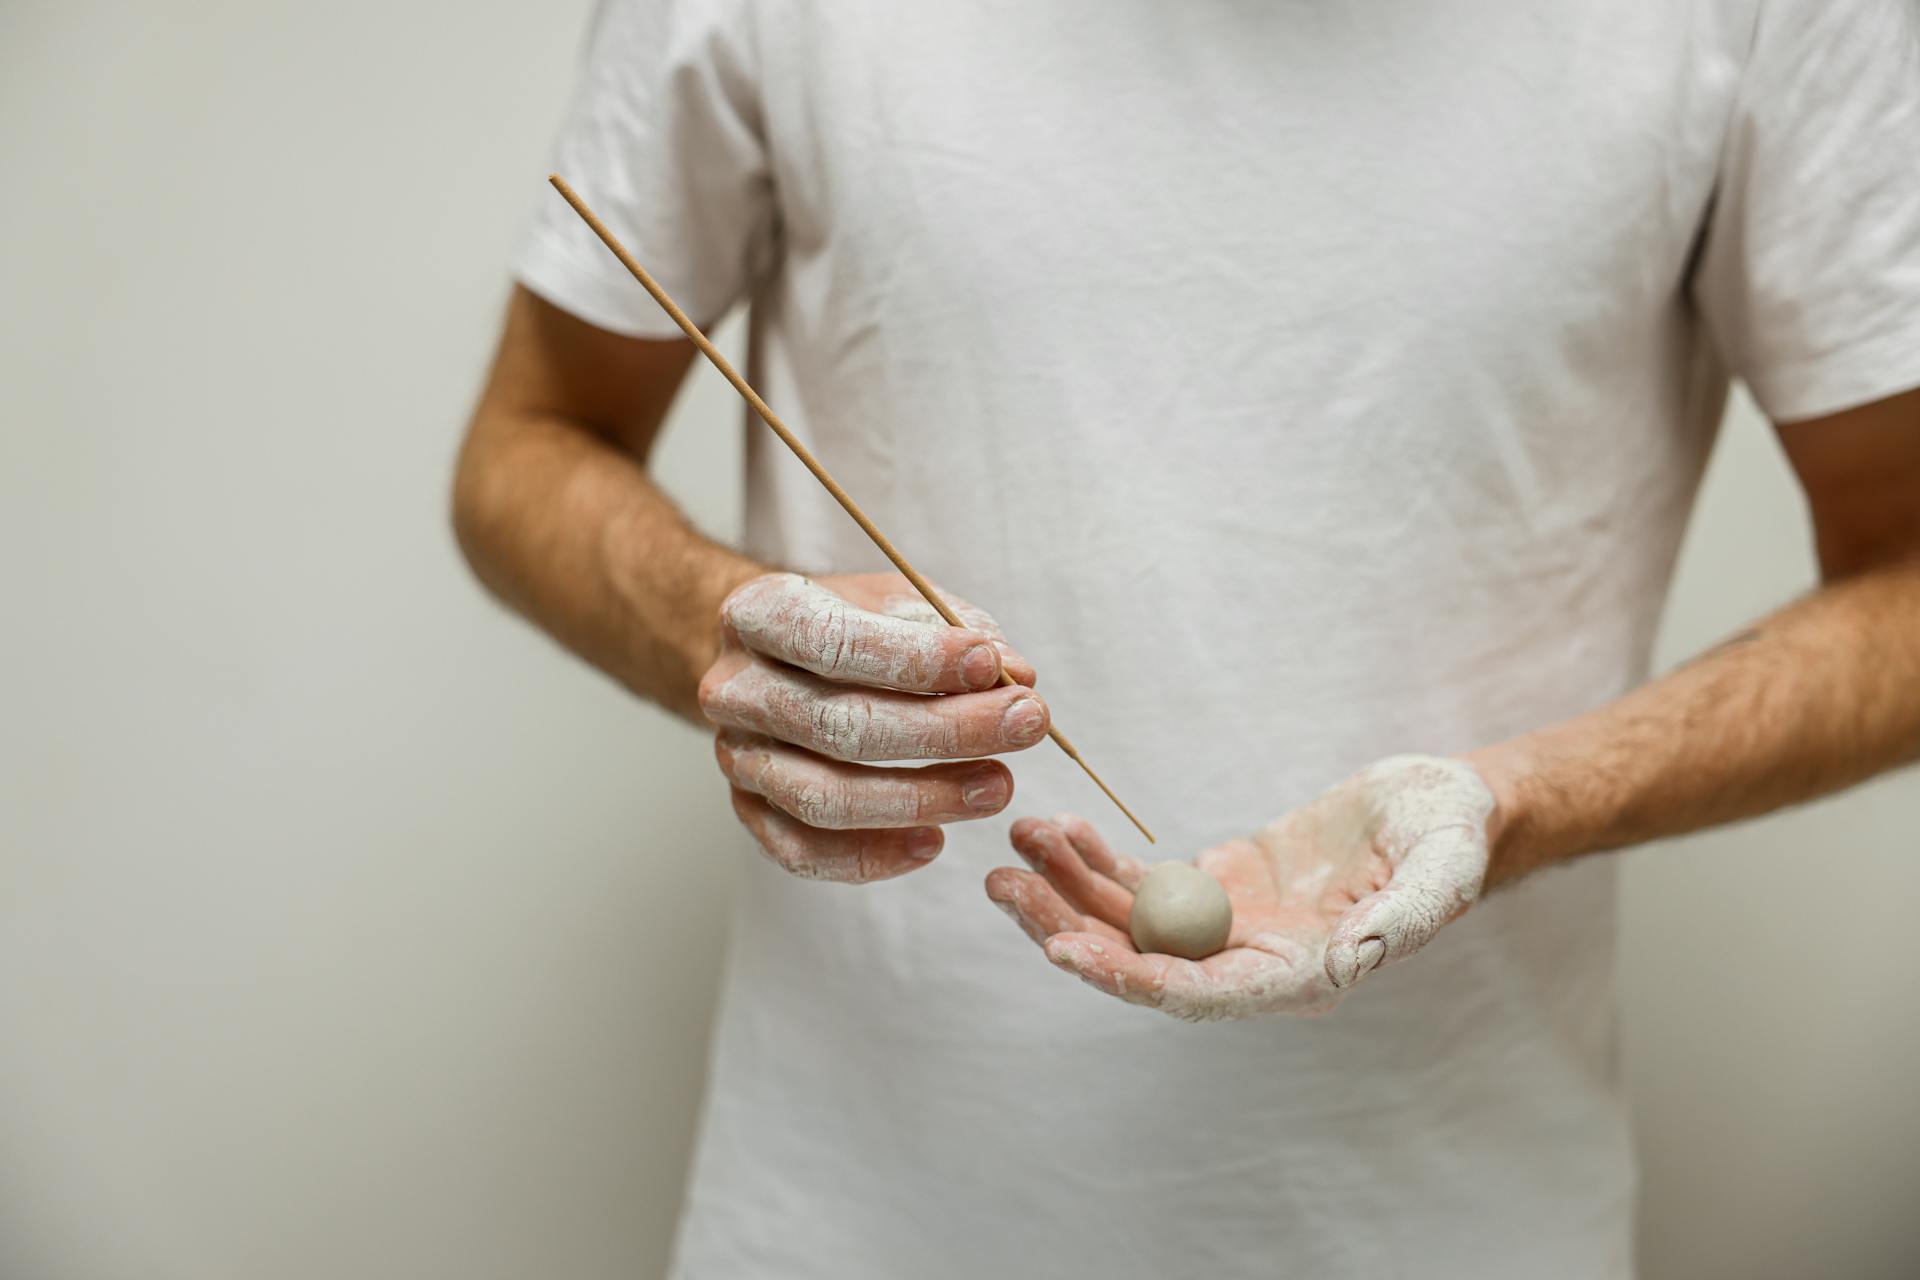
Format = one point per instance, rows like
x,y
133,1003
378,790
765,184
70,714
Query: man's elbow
x,y
474,501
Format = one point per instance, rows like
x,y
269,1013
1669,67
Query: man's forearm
x,y
1821,695
575,536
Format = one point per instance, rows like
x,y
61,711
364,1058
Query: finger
x,y
842,722
797,621
915,609
1048,851
1118,971
837,796
1240,983
1039,915
1039,909
1438,879
849,857
1094,850
1016,665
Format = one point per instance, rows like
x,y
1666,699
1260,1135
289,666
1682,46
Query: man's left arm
x,y
1822,694
1816,697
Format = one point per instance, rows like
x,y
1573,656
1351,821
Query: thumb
x,y
1437,880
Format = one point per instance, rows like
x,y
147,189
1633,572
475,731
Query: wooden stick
x,y
800,451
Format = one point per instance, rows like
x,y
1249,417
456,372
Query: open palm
x,y
1363,876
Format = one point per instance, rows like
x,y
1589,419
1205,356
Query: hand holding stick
x,y
800,451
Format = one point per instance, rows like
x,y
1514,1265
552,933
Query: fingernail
x,y
1366,958
924,845
980,667
987,792
1024,722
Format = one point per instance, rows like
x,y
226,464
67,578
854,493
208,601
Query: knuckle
x,y
840,727
760,604
816,630
816,802
823,635
734,608
711,693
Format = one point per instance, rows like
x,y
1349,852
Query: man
x,y
1313,391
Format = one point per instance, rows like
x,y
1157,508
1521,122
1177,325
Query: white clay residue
x,y
1427,815
814,791
799,621
843,723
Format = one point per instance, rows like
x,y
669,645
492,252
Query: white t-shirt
x,y
1299,383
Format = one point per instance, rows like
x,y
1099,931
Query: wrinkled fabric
x,y
1298,384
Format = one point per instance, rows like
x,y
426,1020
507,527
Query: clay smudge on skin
x,y
837,722
1428,818
835,637
809,790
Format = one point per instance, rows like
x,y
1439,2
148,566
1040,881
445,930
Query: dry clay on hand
x,y
1180,910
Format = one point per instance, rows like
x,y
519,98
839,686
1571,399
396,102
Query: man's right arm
x,y
555,511
811,684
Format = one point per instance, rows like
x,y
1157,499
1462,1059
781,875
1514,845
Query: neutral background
x,y
347,928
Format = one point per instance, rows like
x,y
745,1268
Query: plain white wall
x,y
329,938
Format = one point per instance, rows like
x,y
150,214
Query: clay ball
x,y
1180,910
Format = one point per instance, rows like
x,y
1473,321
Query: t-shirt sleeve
x,y
1809,274
663,140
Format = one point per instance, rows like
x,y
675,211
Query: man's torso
x,y
1298,384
